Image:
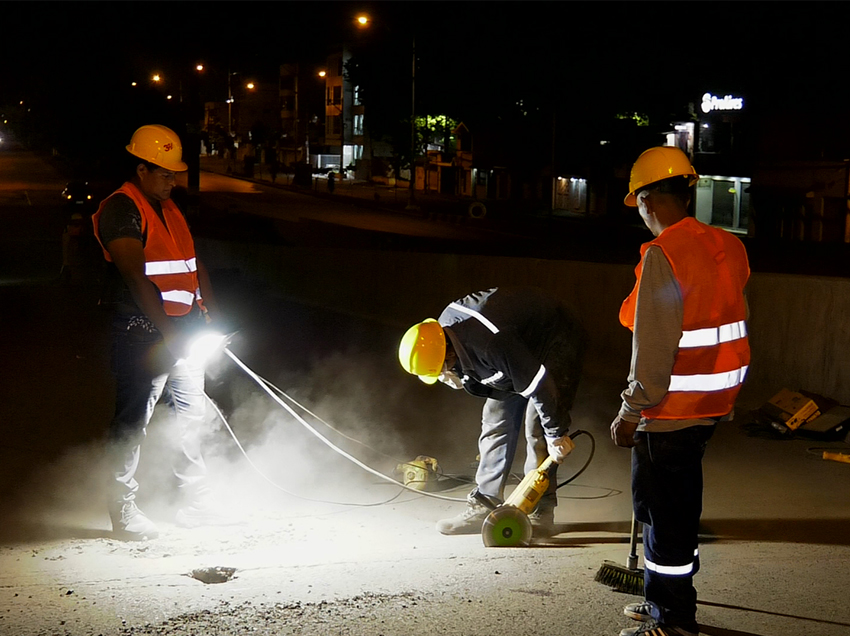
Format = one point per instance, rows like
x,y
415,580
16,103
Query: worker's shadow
x,y
796,531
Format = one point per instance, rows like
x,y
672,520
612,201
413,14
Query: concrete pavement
x,y
775,535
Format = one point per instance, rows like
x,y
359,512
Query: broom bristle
x,y
621,578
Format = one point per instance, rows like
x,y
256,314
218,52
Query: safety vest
x,y
711,362
169,252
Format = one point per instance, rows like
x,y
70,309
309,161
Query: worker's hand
x,y
559,447
452,379
623,432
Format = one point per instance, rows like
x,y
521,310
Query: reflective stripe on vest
x,y
713,335
169,251
708,381
180,297
711,269
154,268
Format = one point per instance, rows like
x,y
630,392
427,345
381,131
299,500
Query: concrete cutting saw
x,y
508,525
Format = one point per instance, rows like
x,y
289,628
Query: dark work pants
x,y
667,496
145,372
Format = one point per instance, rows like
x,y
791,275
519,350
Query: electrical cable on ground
x,y
322,438
268,386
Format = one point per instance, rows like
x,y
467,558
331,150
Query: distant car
x,y
78,193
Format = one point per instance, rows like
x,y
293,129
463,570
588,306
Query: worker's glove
x,y
452,379
559,447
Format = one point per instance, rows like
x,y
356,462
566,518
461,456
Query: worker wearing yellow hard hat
x,y
160,296
515,348
690,354
658,164
422,351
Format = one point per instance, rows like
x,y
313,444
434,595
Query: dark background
x,y
72,62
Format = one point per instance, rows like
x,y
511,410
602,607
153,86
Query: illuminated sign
x,y
712,102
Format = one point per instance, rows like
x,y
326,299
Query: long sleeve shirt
x,y
657,331
502,338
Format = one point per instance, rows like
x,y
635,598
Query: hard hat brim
x,y
630,200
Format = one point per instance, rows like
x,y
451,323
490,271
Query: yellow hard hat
x,y
422,350
655,164
159,145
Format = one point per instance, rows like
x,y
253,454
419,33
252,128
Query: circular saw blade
x,y
506,527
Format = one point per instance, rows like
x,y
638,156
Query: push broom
x,y
628,579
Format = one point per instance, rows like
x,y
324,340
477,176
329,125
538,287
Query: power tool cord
x,y
268,386
263,385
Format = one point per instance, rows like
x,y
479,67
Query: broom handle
x,y
632,561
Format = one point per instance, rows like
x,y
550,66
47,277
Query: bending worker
x,y
160,296
690,354
522,350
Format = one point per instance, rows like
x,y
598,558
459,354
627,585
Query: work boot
x,y
651,628
639,611
469,521
205,511
543,522
131,524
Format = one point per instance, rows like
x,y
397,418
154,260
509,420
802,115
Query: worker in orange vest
x,y
161,299
690,355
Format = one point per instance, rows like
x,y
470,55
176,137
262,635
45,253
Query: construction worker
x,y
522,350
161,297
690,354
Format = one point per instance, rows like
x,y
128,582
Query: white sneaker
x,y
131,524
470,521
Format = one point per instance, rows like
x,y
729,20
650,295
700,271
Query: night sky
x,y
78,58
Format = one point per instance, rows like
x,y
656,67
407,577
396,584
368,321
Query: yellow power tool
x,y
508,525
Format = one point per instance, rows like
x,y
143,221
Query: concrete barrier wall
x,y
799,325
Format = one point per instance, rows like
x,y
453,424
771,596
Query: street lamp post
x,y
362,22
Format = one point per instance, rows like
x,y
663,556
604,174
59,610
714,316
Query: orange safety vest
x,y
711,362
169,252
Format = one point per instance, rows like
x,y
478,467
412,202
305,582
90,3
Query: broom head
x,y
621,578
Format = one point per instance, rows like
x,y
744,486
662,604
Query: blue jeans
x,y
145,372
667,497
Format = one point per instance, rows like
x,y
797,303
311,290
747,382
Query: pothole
x,y
217,574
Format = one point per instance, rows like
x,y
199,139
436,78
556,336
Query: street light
x,y
363,21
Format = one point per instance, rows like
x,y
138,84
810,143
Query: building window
x,y
358,152
357,101
337,95
724,202
358,124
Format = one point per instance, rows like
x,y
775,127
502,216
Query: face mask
x,y
452,379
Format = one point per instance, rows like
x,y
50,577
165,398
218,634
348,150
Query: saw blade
x,y
506,527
